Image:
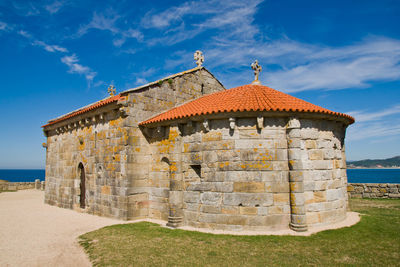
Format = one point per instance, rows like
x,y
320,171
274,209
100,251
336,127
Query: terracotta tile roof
x,y
243,98
85,109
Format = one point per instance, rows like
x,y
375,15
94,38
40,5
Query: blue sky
x,y
59,55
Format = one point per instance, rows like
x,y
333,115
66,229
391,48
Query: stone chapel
x,y
188,151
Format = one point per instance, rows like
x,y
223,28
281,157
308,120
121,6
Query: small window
x,y
197,169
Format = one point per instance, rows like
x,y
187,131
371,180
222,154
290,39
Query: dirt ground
x,y
35,234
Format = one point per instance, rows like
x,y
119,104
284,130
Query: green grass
x,y
1,191
375,241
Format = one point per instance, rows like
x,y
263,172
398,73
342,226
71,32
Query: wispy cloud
x,y
166,17
107,21
25,8
140,81
55,6
45,46
74,67
4,26
235,40
71,61
50,48
377,124
124,35
300,67
25,34
354,66
363,116
141,77
177,24
372,130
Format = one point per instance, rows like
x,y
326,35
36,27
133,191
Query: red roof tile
x,y
96,105
243,98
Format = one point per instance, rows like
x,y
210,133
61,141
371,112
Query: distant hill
x,y
375,163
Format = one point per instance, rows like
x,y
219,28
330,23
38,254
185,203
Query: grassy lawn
x,y
1,191
375,241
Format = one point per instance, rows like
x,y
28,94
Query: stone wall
x,y
99,146
360,190
244,175
324,169
149,186
234,174
113,150
13,186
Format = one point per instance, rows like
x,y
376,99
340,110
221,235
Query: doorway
x,y
82,199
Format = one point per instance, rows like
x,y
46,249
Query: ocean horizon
x,y
22,175
353,175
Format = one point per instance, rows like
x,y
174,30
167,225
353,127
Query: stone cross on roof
x,y
257,69
198,56
111,90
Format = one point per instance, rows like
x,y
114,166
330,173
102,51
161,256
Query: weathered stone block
x,y
308,185
208,218
309,133
313,218
210,156
212,136
106,190
320,196
191,216
232,219
249,187
393,190
223,187
229,210
204,186
192,206
281,198
283,209
248,210
332,194
191,197
262,210
211,198
210,209
248,199
280,187
314,207
322,164
316,154
310,144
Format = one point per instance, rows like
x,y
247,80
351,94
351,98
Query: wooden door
x,y
82,186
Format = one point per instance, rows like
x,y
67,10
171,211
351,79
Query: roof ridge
x,y
170,77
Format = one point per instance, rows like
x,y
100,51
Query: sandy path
x,y
35,234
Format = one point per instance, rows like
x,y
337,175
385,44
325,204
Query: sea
x,y
353,175
22,175
376,176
